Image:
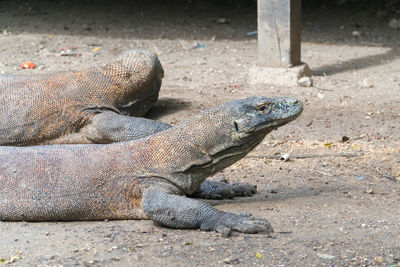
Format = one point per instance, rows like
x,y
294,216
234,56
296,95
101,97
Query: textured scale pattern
x,y
144,178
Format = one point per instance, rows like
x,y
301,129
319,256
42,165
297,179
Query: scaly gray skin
x,y
145,178
81,107
88,106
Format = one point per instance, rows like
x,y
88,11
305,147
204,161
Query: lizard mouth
x,y
226,157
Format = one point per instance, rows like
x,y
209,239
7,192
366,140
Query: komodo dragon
x,y
82,106
145,178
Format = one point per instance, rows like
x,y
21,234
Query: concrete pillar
x,y
279,45
279,32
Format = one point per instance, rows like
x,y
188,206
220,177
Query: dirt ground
x,y
326,211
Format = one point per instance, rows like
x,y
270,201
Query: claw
x,y
241,223
224,230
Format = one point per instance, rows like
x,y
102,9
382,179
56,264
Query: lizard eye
x,y
262,108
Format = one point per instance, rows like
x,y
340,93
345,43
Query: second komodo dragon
x,y
146,178
85,106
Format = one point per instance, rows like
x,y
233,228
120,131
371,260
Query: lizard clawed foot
x,y
181,212
244,189
245,224
217,190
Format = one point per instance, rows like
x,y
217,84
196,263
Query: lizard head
x,y
253,118
245,123
138,74
224,134
242,124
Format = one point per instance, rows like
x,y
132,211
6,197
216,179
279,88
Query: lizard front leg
x,y
110,127
220,190
184,213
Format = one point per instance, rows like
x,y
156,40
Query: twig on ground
x,y
304,156
390,177
325,173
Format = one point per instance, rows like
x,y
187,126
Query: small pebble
x,y
305,82
370,191
227,260
379,259
394,24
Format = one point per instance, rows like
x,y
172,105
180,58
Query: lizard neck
x,y
189,153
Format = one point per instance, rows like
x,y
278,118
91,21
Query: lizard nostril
x,y
127,75
236,126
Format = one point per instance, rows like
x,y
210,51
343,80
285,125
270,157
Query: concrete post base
x,y
293,76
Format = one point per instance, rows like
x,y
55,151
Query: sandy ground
x,y
326,211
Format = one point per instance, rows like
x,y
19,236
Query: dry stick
x,y
304,156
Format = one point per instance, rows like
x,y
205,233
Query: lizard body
x,y
146,178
